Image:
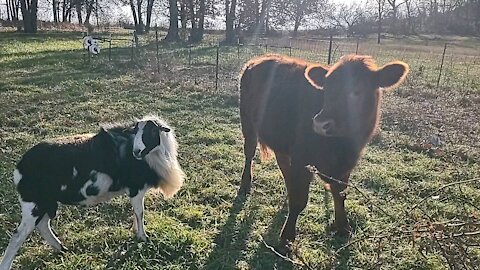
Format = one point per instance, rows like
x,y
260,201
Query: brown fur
x,y
279,97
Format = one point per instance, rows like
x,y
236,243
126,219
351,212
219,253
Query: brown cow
x,y
279,97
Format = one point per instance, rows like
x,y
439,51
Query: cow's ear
x,y
315,75
392,74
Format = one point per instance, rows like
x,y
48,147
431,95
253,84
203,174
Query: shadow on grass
x,y
265,258
230,242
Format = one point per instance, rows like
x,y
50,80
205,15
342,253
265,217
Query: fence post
x,y
189,55
238,49
136,38
330,48
290,46
358,41
133,42
110,48
156,43
216,68
441,65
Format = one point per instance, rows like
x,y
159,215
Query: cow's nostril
x,y
328,126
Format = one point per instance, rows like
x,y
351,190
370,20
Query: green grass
x,y
49,90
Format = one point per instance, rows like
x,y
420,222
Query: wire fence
x,y
218,65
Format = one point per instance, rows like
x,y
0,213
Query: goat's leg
x,y
22,232
46,232
137,202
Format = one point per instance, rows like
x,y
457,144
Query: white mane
x,y
163,160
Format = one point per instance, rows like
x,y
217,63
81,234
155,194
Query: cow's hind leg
x,y
22,232
283,162
298,184
249,147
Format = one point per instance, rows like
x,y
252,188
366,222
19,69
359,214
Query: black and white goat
x,y
89,169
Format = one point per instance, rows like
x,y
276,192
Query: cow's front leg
x,y
340,224
138,208
297,188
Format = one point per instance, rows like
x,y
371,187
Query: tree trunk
x,y
78,8
54,9
198,21
379,25
29,13
65,11
134,13
411,26
12,10
172,34
89,11
299,13
296,26
149,14
229,22
263,15
201,19
183,14
140,27
8,10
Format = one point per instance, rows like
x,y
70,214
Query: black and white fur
x,y
128,158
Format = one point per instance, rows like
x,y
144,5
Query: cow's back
x,y
276,97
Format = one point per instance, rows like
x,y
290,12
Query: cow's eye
x,y
355,93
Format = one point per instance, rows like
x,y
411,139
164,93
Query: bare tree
x,y
29,13
149,14
230,8
13,7
347,17
172,34
67,6
89,5
380,8
55,9
197,11
394,5
136,7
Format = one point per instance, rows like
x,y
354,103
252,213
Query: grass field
x,y
48,90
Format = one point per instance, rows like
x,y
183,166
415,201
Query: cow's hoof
x,y
141,237
340,230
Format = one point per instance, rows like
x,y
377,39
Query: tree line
x,y
240,18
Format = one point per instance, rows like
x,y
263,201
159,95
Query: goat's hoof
x,y
61,250
285,247
244,190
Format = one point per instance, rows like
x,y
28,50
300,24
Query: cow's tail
x,y
265,152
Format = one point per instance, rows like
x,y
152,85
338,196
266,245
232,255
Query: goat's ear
x,y
315,75
392,74
165,129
